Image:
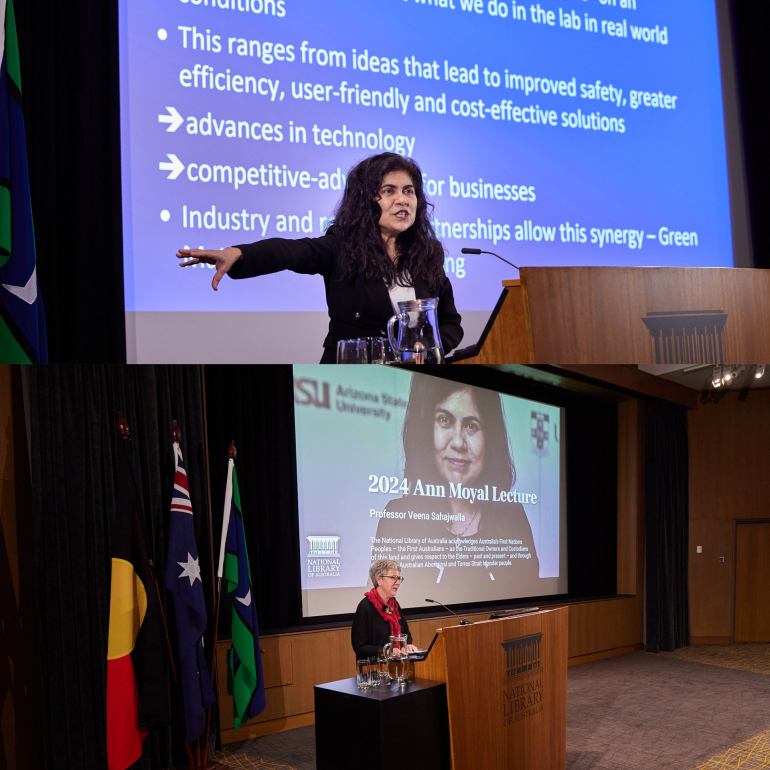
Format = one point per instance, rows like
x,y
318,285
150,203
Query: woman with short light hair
x,y
378,615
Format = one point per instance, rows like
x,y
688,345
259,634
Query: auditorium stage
x,y
703,707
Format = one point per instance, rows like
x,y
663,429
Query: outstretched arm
x,y
223,259
302,255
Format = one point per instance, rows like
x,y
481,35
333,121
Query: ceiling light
x,y
760,371
716,376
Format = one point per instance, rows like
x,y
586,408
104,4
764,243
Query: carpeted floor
x,y
633,712
290,750
749,656
650,712
753,754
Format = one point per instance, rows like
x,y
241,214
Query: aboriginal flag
x,y
136,668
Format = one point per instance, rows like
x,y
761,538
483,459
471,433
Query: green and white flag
x,y
22,320
245,682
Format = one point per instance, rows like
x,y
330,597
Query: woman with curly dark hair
x,y
381,249
466,545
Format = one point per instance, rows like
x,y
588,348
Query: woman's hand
x,y
411,648
224,259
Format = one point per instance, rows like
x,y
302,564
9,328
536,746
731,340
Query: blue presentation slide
x,y
462,486
558,132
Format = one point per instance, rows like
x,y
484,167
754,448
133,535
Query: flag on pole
x,y
245,681
136,671
22,321
183,579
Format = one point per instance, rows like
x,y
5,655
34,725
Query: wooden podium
x,y
628,315
506,691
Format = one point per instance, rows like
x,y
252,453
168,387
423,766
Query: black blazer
x,y
356,308
371,632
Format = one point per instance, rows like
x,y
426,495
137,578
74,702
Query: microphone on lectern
x,y
479,251
463,621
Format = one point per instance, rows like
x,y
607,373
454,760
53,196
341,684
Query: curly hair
x,y
356,222
381,567
425,395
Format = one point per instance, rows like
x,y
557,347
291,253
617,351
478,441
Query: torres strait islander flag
x,y
136,668
245,681
183,579
22,321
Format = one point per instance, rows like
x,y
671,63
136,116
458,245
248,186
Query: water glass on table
x,y
377,349
363,667
352,352
374,672
382,665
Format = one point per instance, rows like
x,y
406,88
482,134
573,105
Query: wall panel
x,y
729,480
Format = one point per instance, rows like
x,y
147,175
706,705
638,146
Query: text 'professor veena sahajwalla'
x,y
381,249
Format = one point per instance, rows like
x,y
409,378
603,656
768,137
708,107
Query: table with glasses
x,y
381,726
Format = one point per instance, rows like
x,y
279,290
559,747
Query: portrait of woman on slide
x,y
455,433
380,249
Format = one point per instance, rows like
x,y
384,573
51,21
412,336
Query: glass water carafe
x,y
398,661
417,339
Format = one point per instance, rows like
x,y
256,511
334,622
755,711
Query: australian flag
x,y
183,579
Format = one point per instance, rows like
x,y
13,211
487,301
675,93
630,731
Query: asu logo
x,y
309,392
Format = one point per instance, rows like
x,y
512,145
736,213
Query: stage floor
x,y
704,707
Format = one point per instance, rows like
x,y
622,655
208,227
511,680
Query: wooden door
x,y
752,583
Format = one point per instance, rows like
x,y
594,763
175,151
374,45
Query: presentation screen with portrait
x,y
588,132
462,486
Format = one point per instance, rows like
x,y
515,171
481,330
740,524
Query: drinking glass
x,y
363,679
352,352
382,664
375,349
374,672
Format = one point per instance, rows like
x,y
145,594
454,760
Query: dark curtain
x,y
74,442
752,61
591,429
69,72
666,515
254,405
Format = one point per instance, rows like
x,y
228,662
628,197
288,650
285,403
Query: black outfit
x,y
431,542
356,308
371,632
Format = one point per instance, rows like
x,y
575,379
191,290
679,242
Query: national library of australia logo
x,y
687,336
523,678
323,556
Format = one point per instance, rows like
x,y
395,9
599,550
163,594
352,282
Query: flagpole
x,y
125,434
232,453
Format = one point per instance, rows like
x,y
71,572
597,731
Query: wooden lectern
x,y
506,691
628,315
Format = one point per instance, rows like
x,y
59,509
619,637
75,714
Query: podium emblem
x,y
522,657
523,680
687,336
